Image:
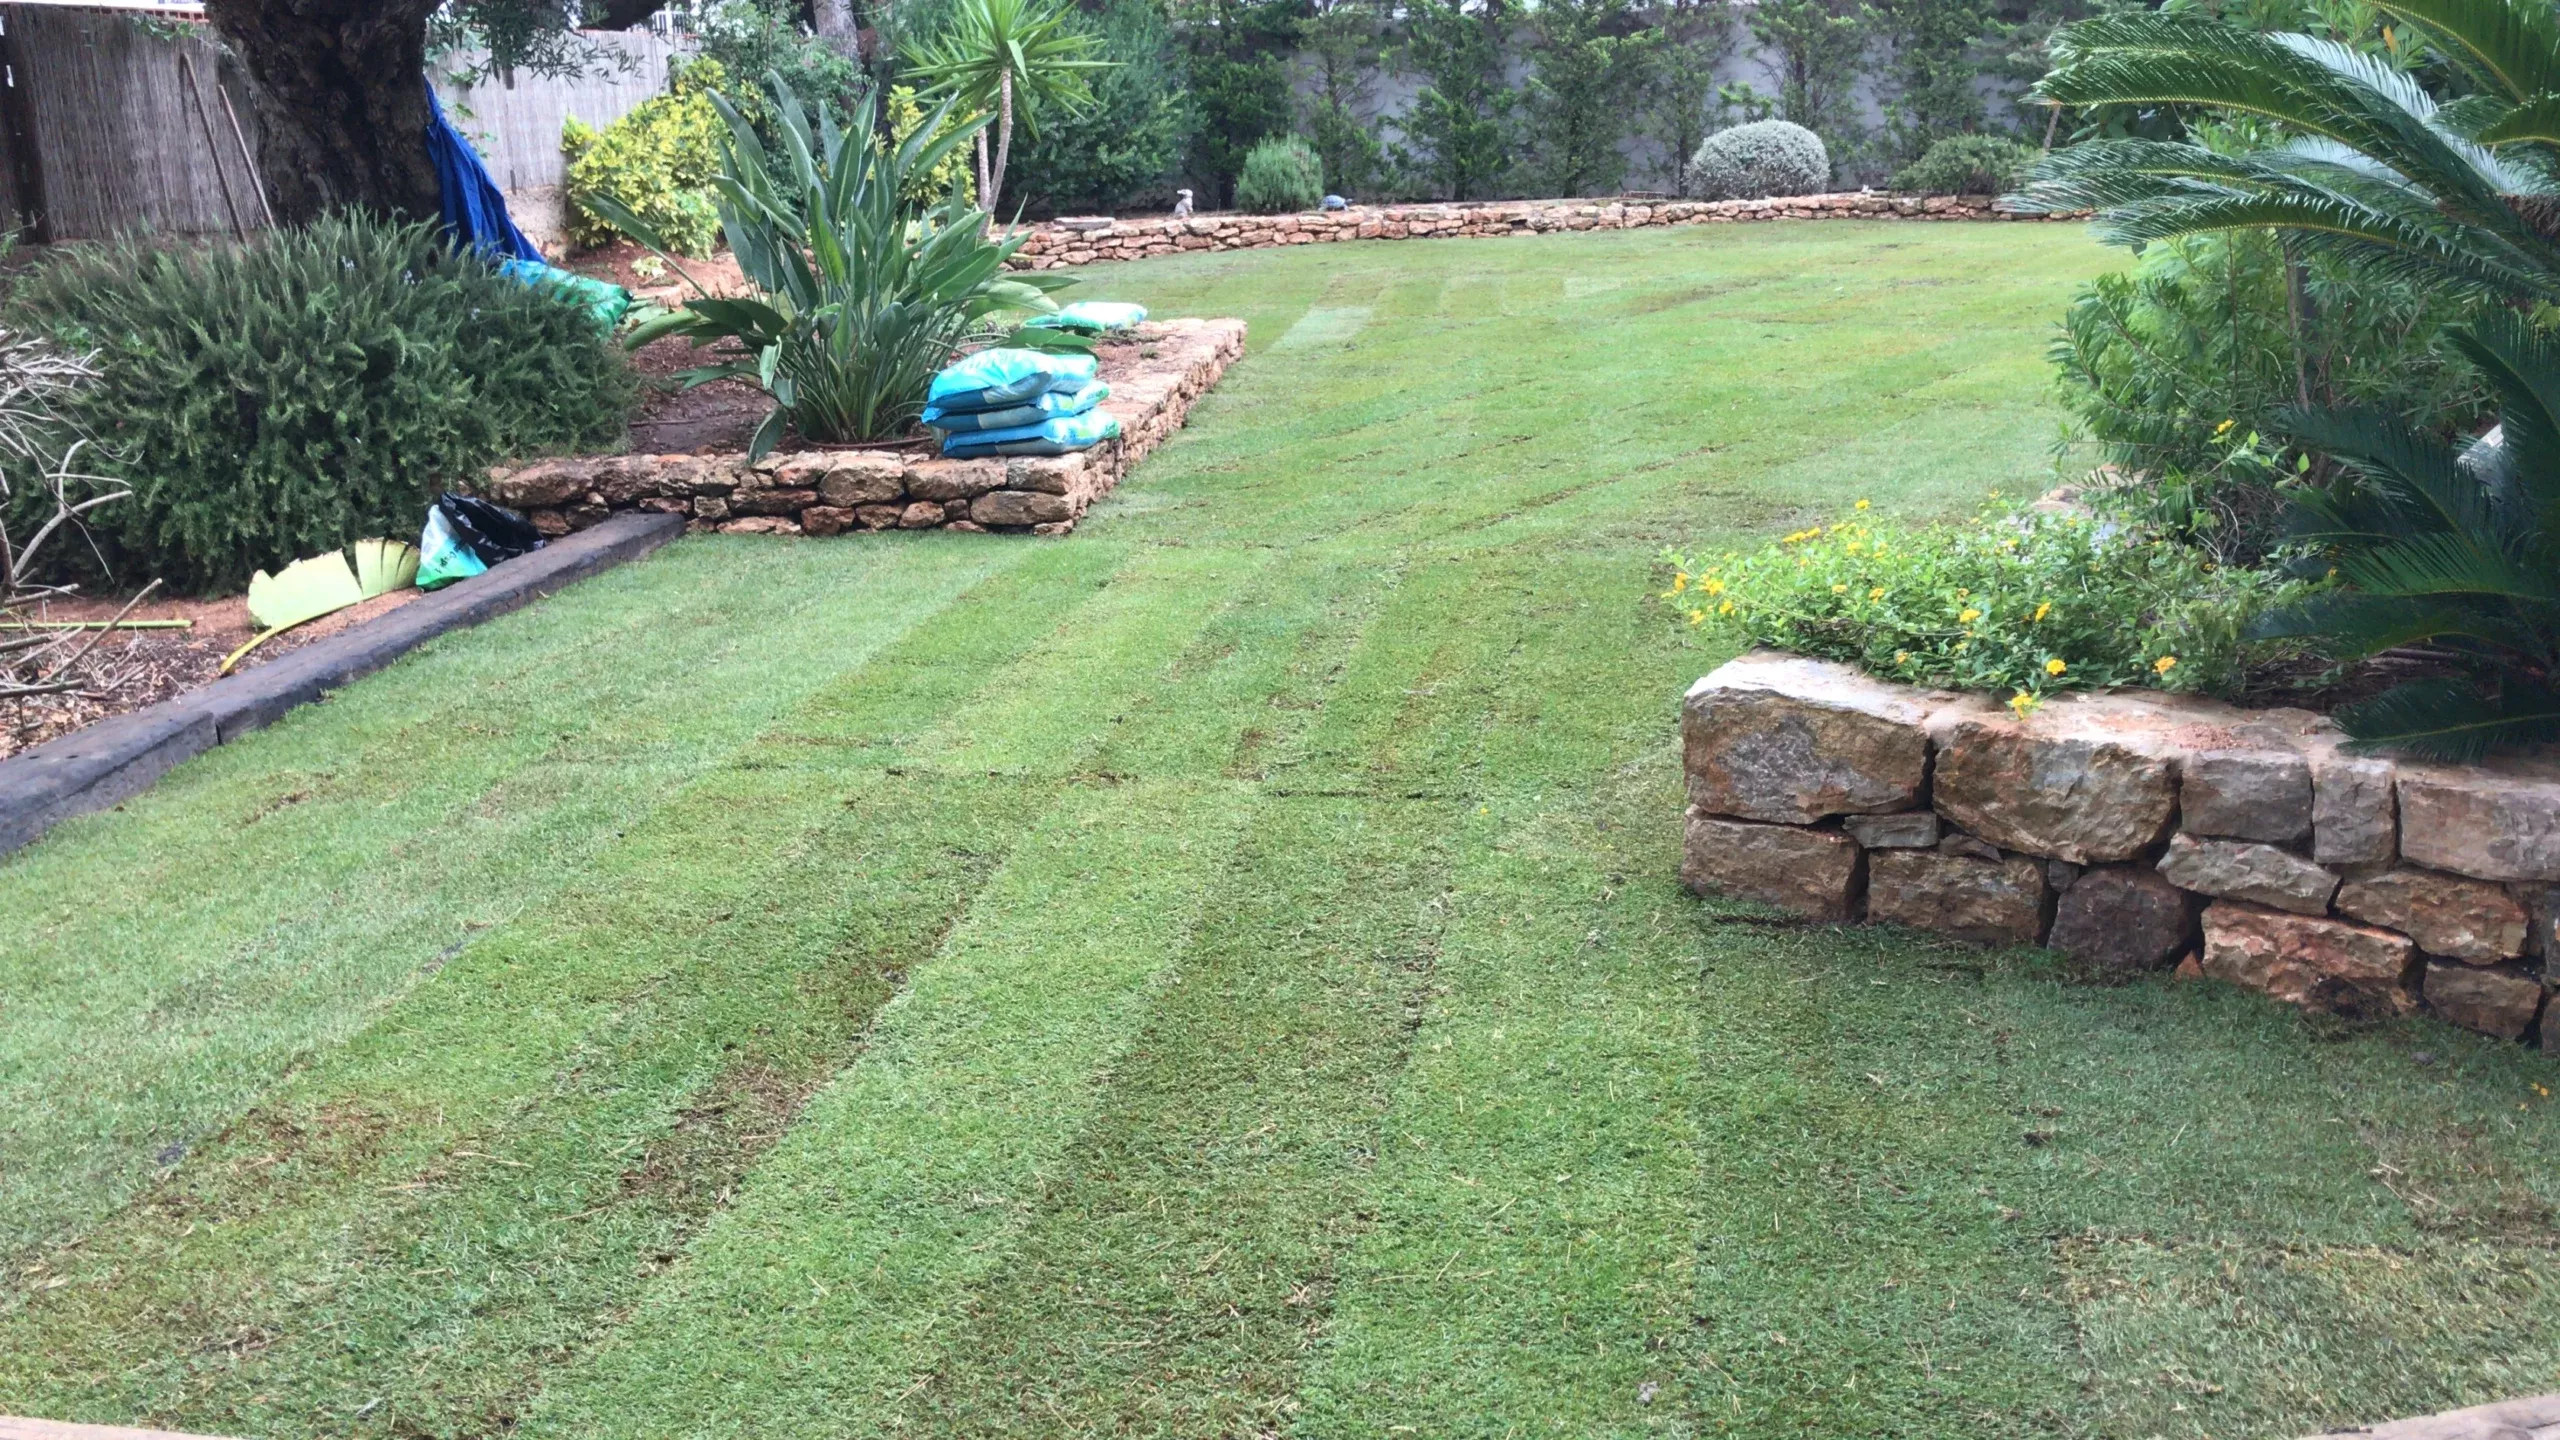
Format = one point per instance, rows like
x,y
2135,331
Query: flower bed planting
x,y
2135,831
1154,379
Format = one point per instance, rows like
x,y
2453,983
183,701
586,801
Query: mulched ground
x,y
135,668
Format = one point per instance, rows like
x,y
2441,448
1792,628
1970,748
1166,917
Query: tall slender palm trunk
x,y
1004,139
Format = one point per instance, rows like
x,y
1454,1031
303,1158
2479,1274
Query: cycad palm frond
x,y
2449,720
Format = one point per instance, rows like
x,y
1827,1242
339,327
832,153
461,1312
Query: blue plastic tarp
x,y
475,213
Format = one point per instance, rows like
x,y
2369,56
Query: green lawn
x,y
1216,975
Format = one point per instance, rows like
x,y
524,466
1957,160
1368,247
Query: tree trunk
x,y
833,20
341,97
983,191
1004,136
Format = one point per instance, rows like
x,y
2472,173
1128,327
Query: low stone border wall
x,y
1154,378
1058,243
2135,831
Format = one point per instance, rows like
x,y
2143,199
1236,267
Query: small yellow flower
x,y
1901,657
1876,594
1725,609
1713,587
1967,616
2165,664
1964,594
1697,617
1851,547
1839,589
1963,645
2023,704
1862,504
2043,610
2055,666
1679,582
2222,429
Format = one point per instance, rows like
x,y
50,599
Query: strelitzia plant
x,y
861,295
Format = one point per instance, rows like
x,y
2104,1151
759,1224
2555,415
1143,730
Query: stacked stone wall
x,y
2135,831
1060,243
1154,379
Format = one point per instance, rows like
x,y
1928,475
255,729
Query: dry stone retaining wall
x,y
2135,831
1059,243
1154,379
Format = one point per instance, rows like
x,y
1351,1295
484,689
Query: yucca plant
x,y
861,295
2449,556
2370,162
1008,59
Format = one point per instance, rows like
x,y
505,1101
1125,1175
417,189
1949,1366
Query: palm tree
x,y
2451,557
1001,57
2461,192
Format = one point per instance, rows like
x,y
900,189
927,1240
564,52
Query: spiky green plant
x,y
2454,554
1008,59
861,295
2368,161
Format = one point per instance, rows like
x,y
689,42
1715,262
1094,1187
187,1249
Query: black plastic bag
x,y
492,532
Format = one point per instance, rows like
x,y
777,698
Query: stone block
x,y
2321,964
2245,795
2354,818
1820,873
542,483
761,525
825,520
852,480
1019,507
2447,915
953,479
1781,738
2243,870
2490,822
2124,920
711,507
1047,474
922,515
771,502
2079,780
1993,902
2494,1000
1909,830
878,517
1956,842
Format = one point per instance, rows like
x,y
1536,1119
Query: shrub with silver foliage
x,y
1763,158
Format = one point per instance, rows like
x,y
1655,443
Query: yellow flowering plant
x,y
2015,602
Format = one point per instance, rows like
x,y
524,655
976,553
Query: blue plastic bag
x,y
1061,435
996,379
1093,317
442,557
1048,405
607,302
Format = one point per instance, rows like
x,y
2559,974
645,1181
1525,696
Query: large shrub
x,y
861,296
2017,603
655,162
1122,148
2179,367
1763,158
753,39
1280,175
317,386
1967,165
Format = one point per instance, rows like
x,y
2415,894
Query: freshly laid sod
x,y
1219,974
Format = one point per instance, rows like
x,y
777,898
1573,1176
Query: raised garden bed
x,y
2134,831
1154,378
1056,244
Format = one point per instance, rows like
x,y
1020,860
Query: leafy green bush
x,y
656,163
2015,602
318,386
1124,147
1280,175
861,297
905,117
1755,161
1967,165
750,39
2447,556
2178,369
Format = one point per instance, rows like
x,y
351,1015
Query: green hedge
x,y
272,400
1281,175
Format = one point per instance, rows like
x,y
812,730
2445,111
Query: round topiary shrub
x,y
1968,165
274,399
1280,175
1763,158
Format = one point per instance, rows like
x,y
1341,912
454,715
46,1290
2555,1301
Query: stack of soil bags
x,y
1018,402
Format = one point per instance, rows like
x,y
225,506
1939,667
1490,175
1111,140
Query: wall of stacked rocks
x,y
1154,378
2135,831
1056,244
